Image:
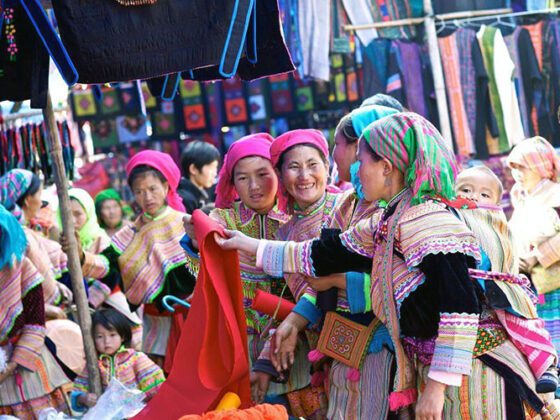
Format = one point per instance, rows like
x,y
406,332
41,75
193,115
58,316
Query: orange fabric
x,y
259,412
212,355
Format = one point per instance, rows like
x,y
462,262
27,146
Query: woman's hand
x,y
430,403
10,369
527,262
87,400
188,225
259,386
54,312
284,341
65,243
320,284
237,240
66,292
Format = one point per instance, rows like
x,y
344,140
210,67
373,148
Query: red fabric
x,y
179,317
168,168
267,303
212,357
252,145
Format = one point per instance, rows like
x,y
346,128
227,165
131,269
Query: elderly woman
x,y
448,343
30,378
110,211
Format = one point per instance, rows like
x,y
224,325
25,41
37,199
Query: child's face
x,y
525,176
478,187
106,341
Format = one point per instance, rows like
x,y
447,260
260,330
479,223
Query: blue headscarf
x,y
361,118
13,242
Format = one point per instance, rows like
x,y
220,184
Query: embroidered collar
x,y
393,201
312,209
159,215
246,215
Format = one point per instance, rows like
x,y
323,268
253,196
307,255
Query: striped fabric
x,y
132,368
13,185
156,330
96,266
28,410
148,254
464,38
15,283
549,311
459,117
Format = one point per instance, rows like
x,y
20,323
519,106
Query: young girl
x,y
112,334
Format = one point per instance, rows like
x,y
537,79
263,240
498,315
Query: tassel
x,y
318,378
315,356
353,375
401,399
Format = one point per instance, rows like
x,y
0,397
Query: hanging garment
x,y
359,13
449,6
314,30
411,65
111,42
24,62
388,10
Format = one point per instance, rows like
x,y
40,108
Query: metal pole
x,y
74,266
437,72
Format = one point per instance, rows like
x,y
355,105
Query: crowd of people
x,y
413,296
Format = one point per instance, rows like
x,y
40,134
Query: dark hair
x,y
199,154
113,320
143,170
346,127
281,160
32,189
383,100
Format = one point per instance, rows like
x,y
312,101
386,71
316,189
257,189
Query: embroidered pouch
x,y
345,340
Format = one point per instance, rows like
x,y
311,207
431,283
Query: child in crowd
x,y
488,222
112,334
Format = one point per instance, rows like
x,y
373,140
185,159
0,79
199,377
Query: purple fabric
x,y
464,39
411,68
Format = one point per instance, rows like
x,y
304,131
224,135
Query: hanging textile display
x,y
193,105
104,134
304,95
167,119
235,104
257,100
281,95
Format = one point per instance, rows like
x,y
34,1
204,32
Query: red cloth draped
x,y
212,355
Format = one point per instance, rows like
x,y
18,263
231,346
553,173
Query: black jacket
x,y
192,196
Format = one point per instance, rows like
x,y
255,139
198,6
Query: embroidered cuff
x,y
265,366
455,342
28,348
297,258
367,291
308,310
355,292
453,379
548,252
187,244
272,258
95,266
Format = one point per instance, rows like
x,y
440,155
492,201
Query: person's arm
x,y
103,266
149,376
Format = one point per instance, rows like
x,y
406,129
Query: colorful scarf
x,y
109,194
538,155
288,140
13,185
12,239
91,230
252,145
417,149
168,168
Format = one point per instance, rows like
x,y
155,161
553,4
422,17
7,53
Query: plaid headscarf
x,y
13,242
538,155
417,149
13,185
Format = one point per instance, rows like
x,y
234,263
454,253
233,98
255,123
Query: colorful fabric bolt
x,y
13,185
168,168
252,145
295,138
12,239
418,150
536,154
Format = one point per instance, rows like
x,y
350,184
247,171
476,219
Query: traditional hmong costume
x,y
147,261
38,381
535,221
131,368
421,290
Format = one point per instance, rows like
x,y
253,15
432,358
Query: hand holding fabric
x,y
237,240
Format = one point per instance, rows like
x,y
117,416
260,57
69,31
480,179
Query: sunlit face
x,y
372,175
111,213
106,341
32,203
305,175
256,183
78,214
206,176
149,192
479,187
344,154
525,176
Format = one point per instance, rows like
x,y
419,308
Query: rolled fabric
x,y
267,303
229,401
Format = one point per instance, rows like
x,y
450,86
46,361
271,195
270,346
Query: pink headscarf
x,y
168,168
252,145
295,138
538,155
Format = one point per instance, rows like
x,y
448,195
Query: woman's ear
x,y
387,167
166,188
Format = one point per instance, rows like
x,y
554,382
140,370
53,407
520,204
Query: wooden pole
x,y
74,266
437,72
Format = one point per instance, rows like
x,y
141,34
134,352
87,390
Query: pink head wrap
x,y
168,168
538,155
252,145
295,138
